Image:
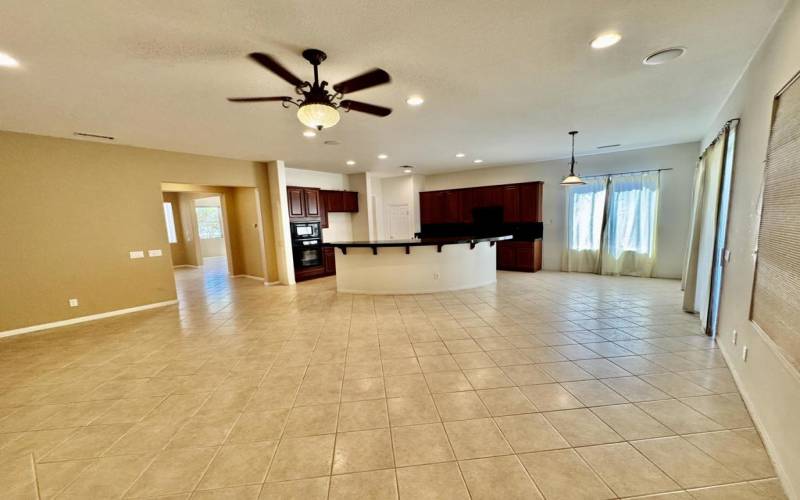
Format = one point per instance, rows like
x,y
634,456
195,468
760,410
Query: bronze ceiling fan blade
x,y
369,79
364,107
272,65
259,99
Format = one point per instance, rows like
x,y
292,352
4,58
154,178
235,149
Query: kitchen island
x,y
426,265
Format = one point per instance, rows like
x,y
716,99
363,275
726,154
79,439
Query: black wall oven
x,y
306,244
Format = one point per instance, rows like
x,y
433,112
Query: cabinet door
x,y
296,205
489,196
530,202
329,260
451,206
466,199
427,208
349,201
311,202
524,256
511,200
505,255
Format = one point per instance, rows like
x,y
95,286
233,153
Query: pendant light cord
x,y
572,161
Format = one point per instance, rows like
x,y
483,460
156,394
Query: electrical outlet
x,y
436,276
137,254
744,354
734,334
73,302
154,253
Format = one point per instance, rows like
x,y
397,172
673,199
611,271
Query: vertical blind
x,y
775,304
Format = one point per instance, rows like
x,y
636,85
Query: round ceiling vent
x,y
663,56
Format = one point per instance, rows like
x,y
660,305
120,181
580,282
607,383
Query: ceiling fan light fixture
x,y
572,180
318,116
309,133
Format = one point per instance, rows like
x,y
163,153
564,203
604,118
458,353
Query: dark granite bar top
x,y
416,242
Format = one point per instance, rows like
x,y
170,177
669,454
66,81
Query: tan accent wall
x,y
177,249
72,210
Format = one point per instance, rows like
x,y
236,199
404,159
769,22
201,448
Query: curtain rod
x,y
724,128
625,173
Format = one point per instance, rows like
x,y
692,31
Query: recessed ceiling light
x,y
477,161
606,40
350,162
382,156
7,61
415,100
460,155
407,169
663,56
309,133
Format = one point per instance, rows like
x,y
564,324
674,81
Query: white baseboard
x,y
271,283
185,265
83,319
762,431
259,278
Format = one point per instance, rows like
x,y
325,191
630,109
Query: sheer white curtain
x,y
629,241
584,227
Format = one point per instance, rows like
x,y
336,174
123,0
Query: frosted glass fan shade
x,y
318,116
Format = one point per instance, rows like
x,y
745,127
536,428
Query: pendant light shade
x,y
318,116
572,179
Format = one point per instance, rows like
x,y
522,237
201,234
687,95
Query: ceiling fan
x,y
318,108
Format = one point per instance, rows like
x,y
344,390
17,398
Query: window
x,y
209,222
172,235
632,214
585,206
611,224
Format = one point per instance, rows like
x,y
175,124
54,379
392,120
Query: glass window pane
x,y
209,222
172,236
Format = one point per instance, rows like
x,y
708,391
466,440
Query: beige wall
x,y
74,209
177,249
674,204
244,232
769,384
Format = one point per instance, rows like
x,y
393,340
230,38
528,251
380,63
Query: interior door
x,y
399,222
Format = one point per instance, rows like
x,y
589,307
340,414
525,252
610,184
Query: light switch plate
x,y
744,354
154,253
137,254
727,255
73,302
734,334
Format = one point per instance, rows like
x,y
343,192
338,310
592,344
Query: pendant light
x,y
572,179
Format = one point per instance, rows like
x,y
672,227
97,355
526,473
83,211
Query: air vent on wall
x,y
609,146
94,136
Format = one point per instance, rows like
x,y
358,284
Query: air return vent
x,y
94,136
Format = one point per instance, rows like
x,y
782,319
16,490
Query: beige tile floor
x,y
549,385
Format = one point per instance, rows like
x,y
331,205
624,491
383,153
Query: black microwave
x,y
305,230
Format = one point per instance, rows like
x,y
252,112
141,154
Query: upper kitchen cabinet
x,y
303,202
520,203
339,201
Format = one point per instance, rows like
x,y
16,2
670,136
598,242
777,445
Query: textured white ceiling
x,y
503,80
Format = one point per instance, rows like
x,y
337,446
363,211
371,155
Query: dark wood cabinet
x,y
467,202
431,207
311,201
519,255
329,260
349,201
451,204
315,203
520,203
530,196
295,196
511,202
339,201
